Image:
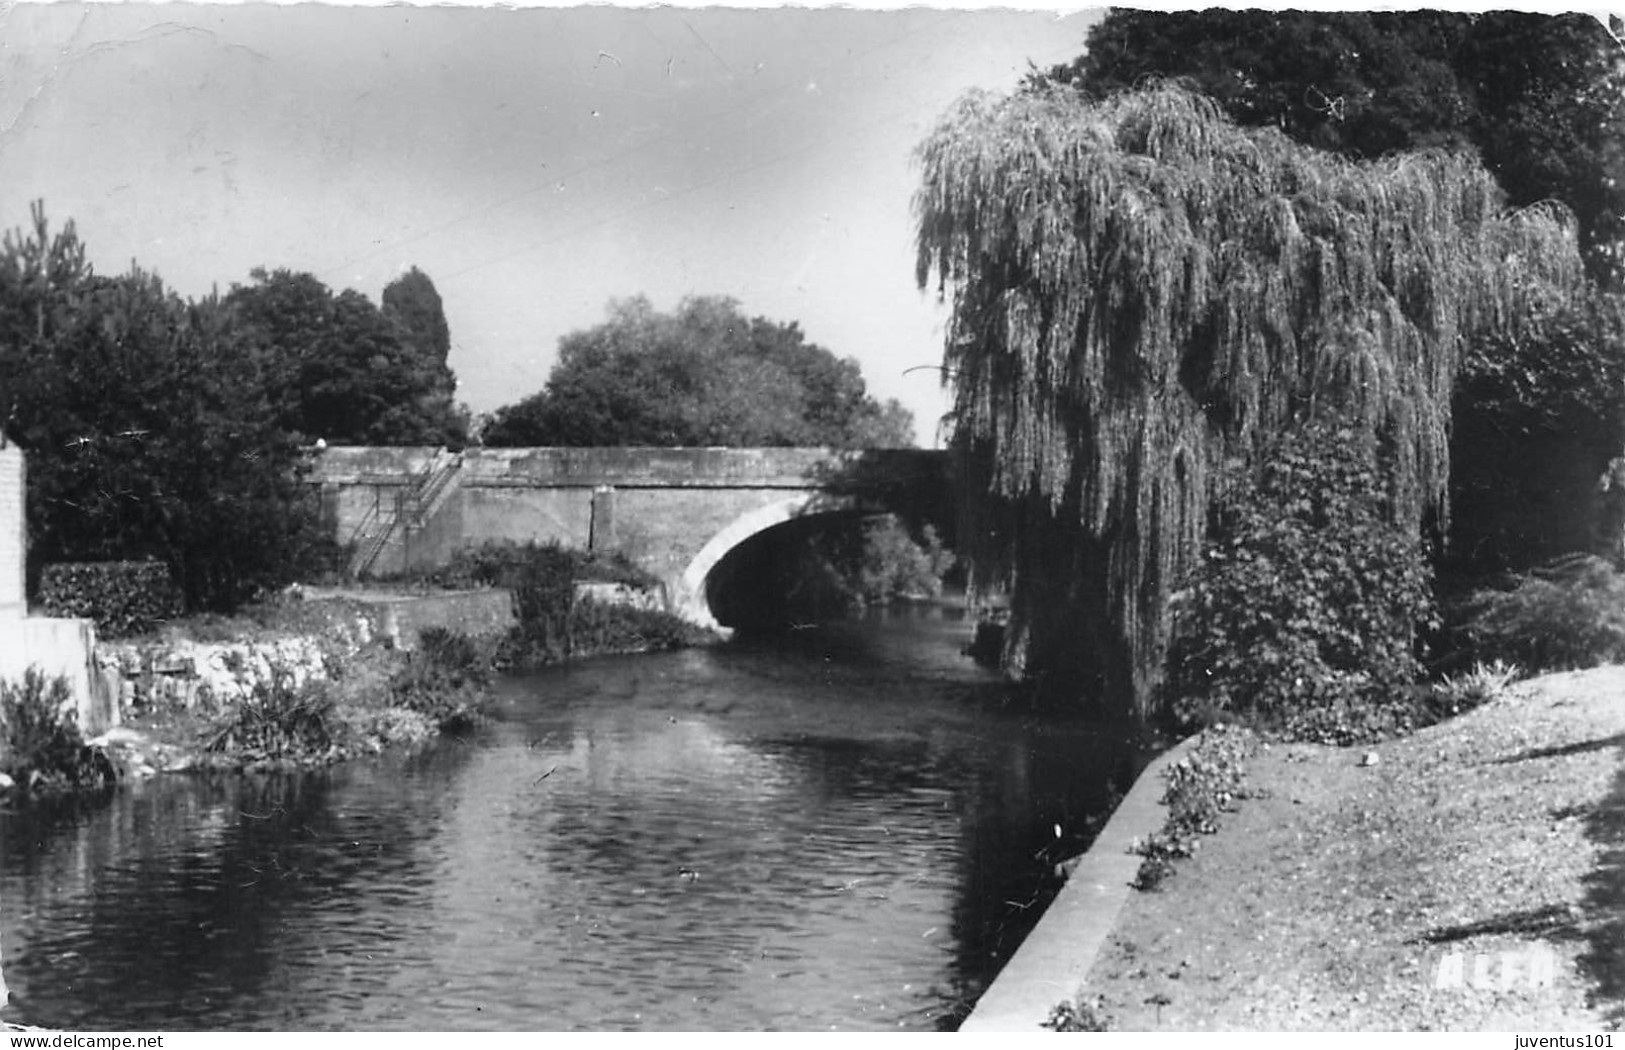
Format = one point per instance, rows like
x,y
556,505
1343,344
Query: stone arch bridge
x,y
676,512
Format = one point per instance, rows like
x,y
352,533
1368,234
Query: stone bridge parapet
x,y
674,511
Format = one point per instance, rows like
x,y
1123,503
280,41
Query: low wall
x,y
60,647
1049,967
474,613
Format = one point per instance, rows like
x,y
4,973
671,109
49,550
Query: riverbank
x,y
1468,877
318,676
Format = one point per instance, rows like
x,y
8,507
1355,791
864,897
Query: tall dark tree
x,y
704,375
413,305
339,369
411,301
1143,291
1541,97
149,432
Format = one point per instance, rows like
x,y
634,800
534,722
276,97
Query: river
x,y
850,828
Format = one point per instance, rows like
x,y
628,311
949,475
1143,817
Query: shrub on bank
x,y
1567,614
41,748
594,628
1304,613
444,679
553,625
543,573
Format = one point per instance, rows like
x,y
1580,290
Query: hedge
x,y
122,597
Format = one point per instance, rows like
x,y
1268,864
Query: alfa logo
x,y
1531,968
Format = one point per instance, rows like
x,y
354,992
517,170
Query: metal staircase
x,y
437,485
411,510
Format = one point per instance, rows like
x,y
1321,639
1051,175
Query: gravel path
x,y
1347,895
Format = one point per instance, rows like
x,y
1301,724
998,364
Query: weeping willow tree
x,y
1143,292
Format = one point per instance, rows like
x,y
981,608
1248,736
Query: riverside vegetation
x,y
366,698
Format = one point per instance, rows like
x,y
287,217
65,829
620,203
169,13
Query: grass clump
x,y
281,720
1077,1015
41,747
444,679
1472,688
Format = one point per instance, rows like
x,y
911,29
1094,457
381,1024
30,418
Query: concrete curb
x,y
1052,962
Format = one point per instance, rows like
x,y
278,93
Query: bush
x,y
280,721
445,678
1303,614
40,744
122,597
553,625
547,570
1567,614
1536,413
594,627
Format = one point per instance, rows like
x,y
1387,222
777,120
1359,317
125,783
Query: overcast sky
x,y
534,163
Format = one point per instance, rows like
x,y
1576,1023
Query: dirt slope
x,y
1333,902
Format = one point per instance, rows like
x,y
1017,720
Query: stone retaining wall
x,y
186,675
183,674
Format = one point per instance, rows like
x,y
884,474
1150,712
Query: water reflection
x,y
847,830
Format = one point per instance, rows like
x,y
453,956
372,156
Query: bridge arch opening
x,y
722,583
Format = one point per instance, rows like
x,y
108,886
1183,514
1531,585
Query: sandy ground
x,y
1472,878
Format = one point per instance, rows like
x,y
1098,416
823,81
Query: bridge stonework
x,y
675,512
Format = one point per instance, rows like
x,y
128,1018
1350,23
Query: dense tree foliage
x,y
1143,291
1541,97
175,430
148,434
1303,609
1538,415
344,371
701,376
413,305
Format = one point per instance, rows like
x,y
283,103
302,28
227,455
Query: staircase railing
x,y
413,509
372,533
435,487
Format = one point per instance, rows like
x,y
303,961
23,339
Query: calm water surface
x,y
850,829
